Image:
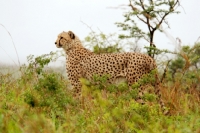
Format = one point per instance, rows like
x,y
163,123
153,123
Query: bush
x,y
39,101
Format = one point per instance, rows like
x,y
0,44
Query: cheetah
x,y
82,63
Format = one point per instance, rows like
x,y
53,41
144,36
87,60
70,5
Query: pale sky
x,y
35,24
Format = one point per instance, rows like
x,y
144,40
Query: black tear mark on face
x,y
59,42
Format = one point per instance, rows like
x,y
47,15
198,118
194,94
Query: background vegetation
x,y
35,97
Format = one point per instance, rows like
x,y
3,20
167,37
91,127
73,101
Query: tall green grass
x,y
38,100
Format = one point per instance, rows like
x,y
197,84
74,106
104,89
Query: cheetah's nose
x,y
55,43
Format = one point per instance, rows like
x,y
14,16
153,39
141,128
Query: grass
x,y
37,100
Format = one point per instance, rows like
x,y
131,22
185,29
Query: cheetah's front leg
x,y
76,85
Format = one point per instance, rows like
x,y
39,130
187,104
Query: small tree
x,y
152,13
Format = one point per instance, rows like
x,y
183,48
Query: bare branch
x,y
147,17
162,19
180,6
165,21
142,5
141,19
91,30
133,8
197,40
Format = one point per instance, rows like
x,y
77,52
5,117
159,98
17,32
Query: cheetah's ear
x,y
71,34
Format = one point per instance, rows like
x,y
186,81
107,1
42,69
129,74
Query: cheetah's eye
x,y
61,37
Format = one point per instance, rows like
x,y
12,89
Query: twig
x,y
91,32
12,42
119,7
8,55
198,39
105,38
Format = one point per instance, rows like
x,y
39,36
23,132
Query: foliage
x,y
38,101
102,43
187,58
152,14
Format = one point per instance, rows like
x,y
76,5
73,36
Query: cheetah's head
x,y
67,40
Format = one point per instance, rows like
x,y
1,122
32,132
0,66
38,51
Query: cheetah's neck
x,y
78,53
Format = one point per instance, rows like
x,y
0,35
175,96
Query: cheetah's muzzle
x,y
58,45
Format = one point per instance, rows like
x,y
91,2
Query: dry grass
x,y
43,103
